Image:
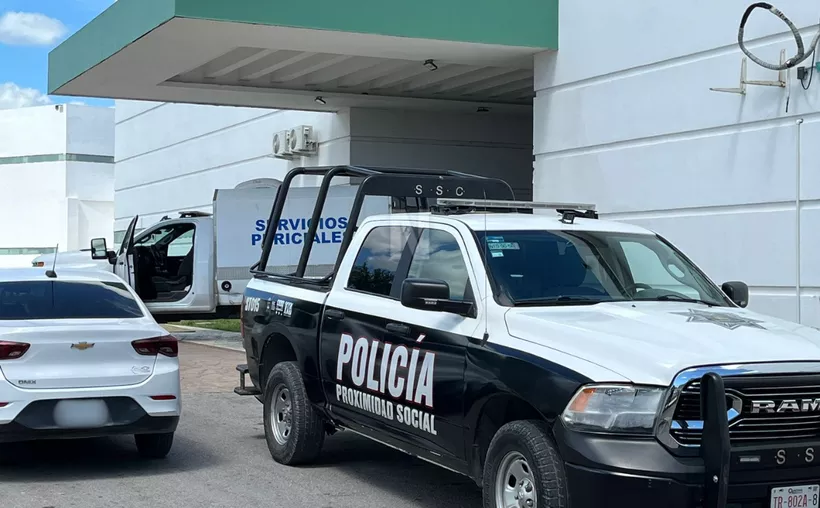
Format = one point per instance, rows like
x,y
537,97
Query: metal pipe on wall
x,y
797,223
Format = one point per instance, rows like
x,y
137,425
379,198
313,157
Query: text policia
x,y
291,231
402,373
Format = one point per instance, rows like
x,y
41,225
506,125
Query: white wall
x,y
50,199
624,117
90,130
32,131
32,209
171,157
90,200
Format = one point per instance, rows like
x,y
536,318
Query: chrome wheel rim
x,y
281,417
515,484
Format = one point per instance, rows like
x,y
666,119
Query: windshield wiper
x,y
559,300
676,298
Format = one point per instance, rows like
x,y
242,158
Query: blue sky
x,y
29,29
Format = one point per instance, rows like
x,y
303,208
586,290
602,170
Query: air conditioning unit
x,y
301,140
281,145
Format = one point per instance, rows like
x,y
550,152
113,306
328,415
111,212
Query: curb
x,y
197,329
216,334
206,343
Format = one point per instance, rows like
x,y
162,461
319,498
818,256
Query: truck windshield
x,y
588,267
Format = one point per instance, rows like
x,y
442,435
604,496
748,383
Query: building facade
x,y
171,157
572,101
57,174
626,119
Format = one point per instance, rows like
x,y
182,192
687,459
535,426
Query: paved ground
x,y
220,460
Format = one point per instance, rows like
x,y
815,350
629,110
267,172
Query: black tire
x,y
531,439
306,436
154,446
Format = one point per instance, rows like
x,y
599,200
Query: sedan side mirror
x,y
432,295
99,250
737,291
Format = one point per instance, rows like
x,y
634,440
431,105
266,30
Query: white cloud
x,y
13,96
30,29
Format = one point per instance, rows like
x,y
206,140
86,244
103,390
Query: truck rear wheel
x,y
293,429
523,468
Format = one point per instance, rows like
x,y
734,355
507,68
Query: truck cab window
x,y
155,236
438,256
378,259
165,262
181,245
648,269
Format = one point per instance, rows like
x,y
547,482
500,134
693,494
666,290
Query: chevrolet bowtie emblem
x,y
82,346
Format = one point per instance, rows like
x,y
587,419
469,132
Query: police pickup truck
x,y
557,359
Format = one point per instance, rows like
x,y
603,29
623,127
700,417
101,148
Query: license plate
x,y
80,414
802,496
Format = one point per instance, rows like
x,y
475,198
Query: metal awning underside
x,y
324,73
206,51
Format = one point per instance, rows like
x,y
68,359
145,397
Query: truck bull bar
x,y
421,184
715,447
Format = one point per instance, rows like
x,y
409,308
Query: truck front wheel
x,y
523,468
293,428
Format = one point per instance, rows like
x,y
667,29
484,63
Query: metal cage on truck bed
x,y
402,183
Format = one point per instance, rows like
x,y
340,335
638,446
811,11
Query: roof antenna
x,y
51,274
486,336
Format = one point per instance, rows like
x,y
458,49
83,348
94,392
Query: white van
x,y
197,265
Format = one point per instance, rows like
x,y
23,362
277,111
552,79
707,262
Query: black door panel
x,y
391,368
393,383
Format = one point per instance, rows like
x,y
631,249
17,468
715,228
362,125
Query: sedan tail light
x,y
167,345
163,397
12,350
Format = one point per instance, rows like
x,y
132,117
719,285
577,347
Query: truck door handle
x,y
334,314
398,329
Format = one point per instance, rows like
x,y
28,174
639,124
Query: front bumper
x,y
618,473
612,472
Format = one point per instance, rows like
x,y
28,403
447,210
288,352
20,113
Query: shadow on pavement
x,y
404,476
98,458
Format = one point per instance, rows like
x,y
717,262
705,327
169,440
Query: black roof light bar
x,y
423,184
568,211
193,213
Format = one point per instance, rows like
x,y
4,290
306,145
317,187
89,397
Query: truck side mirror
x,y
99,250
432,295
737,291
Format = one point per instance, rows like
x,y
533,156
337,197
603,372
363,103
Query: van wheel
x,y
293,428
523,469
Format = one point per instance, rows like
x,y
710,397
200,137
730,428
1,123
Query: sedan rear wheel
x,y
154,446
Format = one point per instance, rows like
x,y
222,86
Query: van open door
x,y
125,266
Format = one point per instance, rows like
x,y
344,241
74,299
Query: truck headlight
x,y
617,409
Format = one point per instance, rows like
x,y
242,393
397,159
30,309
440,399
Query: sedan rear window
x,y
66,300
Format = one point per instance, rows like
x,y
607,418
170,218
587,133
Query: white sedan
x,y
81,356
